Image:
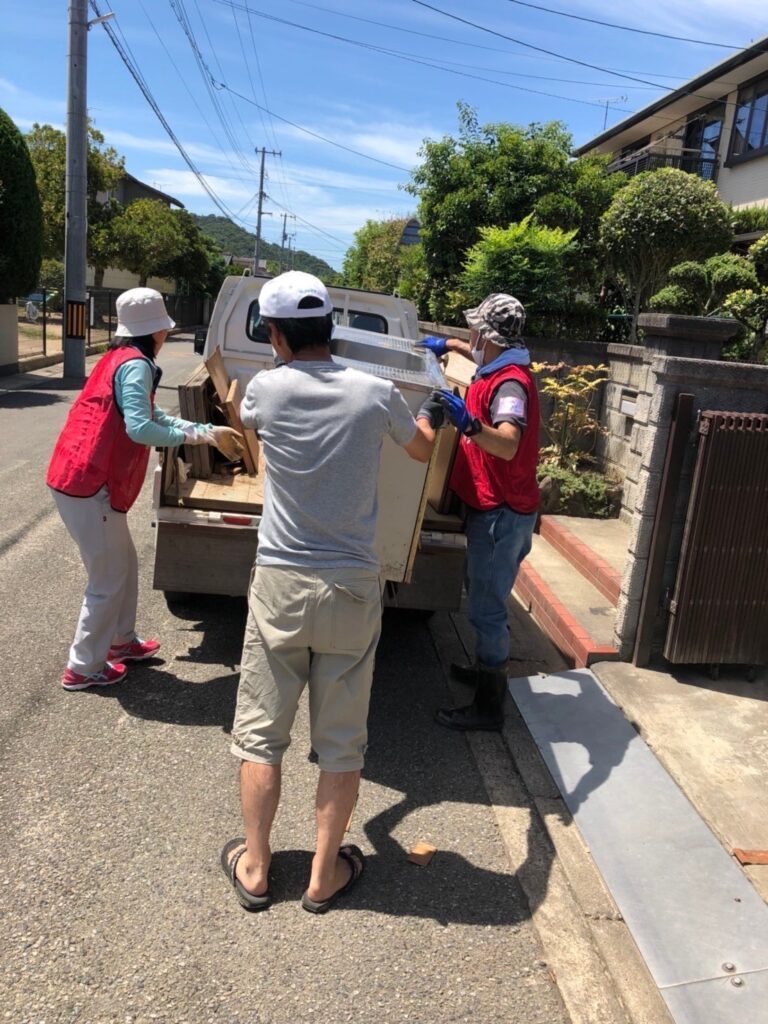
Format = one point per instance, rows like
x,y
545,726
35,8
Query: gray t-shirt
x,y
322,427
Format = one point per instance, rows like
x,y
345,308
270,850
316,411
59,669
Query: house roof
x,y
707,87
163,196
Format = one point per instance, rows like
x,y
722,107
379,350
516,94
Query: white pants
x,y
108,613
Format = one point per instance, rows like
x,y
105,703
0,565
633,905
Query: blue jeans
x,y
497,542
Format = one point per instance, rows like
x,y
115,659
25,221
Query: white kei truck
x,y
207,528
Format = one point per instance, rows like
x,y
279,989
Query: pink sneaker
x,y
135,650
112,672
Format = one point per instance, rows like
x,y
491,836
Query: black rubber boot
x,y
486,712
465,673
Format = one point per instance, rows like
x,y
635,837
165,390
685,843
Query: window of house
x,y
750,126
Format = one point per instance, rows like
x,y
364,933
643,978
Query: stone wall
x,y
716,385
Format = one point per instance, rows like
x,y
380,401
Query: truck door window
x,y
256,331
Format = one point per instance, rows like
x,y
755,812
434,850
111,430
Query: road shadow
x,y
409,754
27,398
734,680
152,693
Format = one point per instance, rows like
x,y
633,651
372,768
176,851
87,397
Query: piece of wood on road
x,y
422,853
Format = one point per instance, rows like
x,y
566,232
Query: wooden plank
x,y
187,412
235,493
194,405
458,373
218,374
231,409
438,494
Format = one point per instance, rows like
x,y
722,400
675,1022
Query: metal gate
x,y
719,610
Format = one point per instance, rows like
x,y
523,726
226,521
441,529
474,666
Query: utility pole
x,y
257,243
76,186
282,241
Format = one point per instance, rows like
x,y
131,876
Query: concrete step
x,y
576,616
597,548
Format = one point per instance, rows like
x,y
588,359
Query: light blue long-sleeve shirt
x,y
133,387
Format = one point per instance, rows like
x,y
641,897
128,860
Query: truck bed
x,y
236,492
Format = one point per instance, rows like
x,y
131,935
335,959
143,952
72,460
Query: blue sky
x,y
377,104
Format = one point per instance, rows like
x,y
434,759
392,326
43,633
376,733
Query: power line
x,y
625,28
145,90
415,59
307,131
448,39
179,10
541,49
183,80
314,227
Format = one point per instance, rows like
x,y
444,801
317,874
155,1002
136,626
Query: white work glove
x,y
228,441
197,433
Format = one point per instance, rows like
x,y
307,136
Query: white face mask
x,y
477,353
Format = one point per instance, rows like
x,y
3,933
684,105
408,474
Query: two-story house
x,y
715,126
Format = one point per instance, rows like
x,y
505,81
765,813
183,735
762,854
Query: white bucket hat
x,y
141,311
282,296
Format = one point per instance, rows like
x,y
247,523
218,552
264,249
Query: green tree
x,y
413,283
191,266
659,219
47,147
21,227
51,277
373,261
496,174
148,239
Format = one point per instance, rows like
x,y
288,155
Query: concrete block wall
x,y
618,449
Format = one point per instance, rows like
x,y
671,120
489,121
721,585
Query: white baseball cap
x,y
282,296
141,311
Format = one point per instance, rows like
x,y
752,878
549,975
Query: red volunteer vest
x,y
485,481
94,449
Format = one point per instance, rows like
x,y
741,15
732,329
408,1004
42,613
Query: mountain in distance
x,y
236,240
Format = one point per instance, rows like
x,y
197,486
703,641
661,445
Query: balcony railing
x,y
689,160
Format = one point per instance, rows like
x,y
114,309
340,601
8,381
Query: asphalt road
x,y
114,805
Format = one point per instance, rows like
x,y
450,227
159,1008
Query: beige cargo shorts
x,y
318,628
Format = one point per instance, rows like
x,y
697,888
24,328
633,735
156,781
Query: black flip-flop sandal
x,y
248,900
354,856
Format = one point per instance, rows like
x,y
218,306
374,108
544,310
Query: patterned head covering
x,y
500,318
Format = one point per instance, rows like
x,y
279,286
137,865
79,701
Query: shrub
x,y
656,221
21,224
758,257
700,289
749,218
585,493
525,259
572,426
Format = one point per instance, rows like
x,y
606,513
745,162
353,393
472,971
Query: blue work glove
x,y
432,410
438,346
457,412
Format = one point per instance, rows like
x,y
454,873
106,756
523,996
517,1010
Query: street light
x,y
76,188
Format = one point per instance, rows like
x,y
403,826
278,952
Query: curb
x,y
562,628
593,959
30,363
